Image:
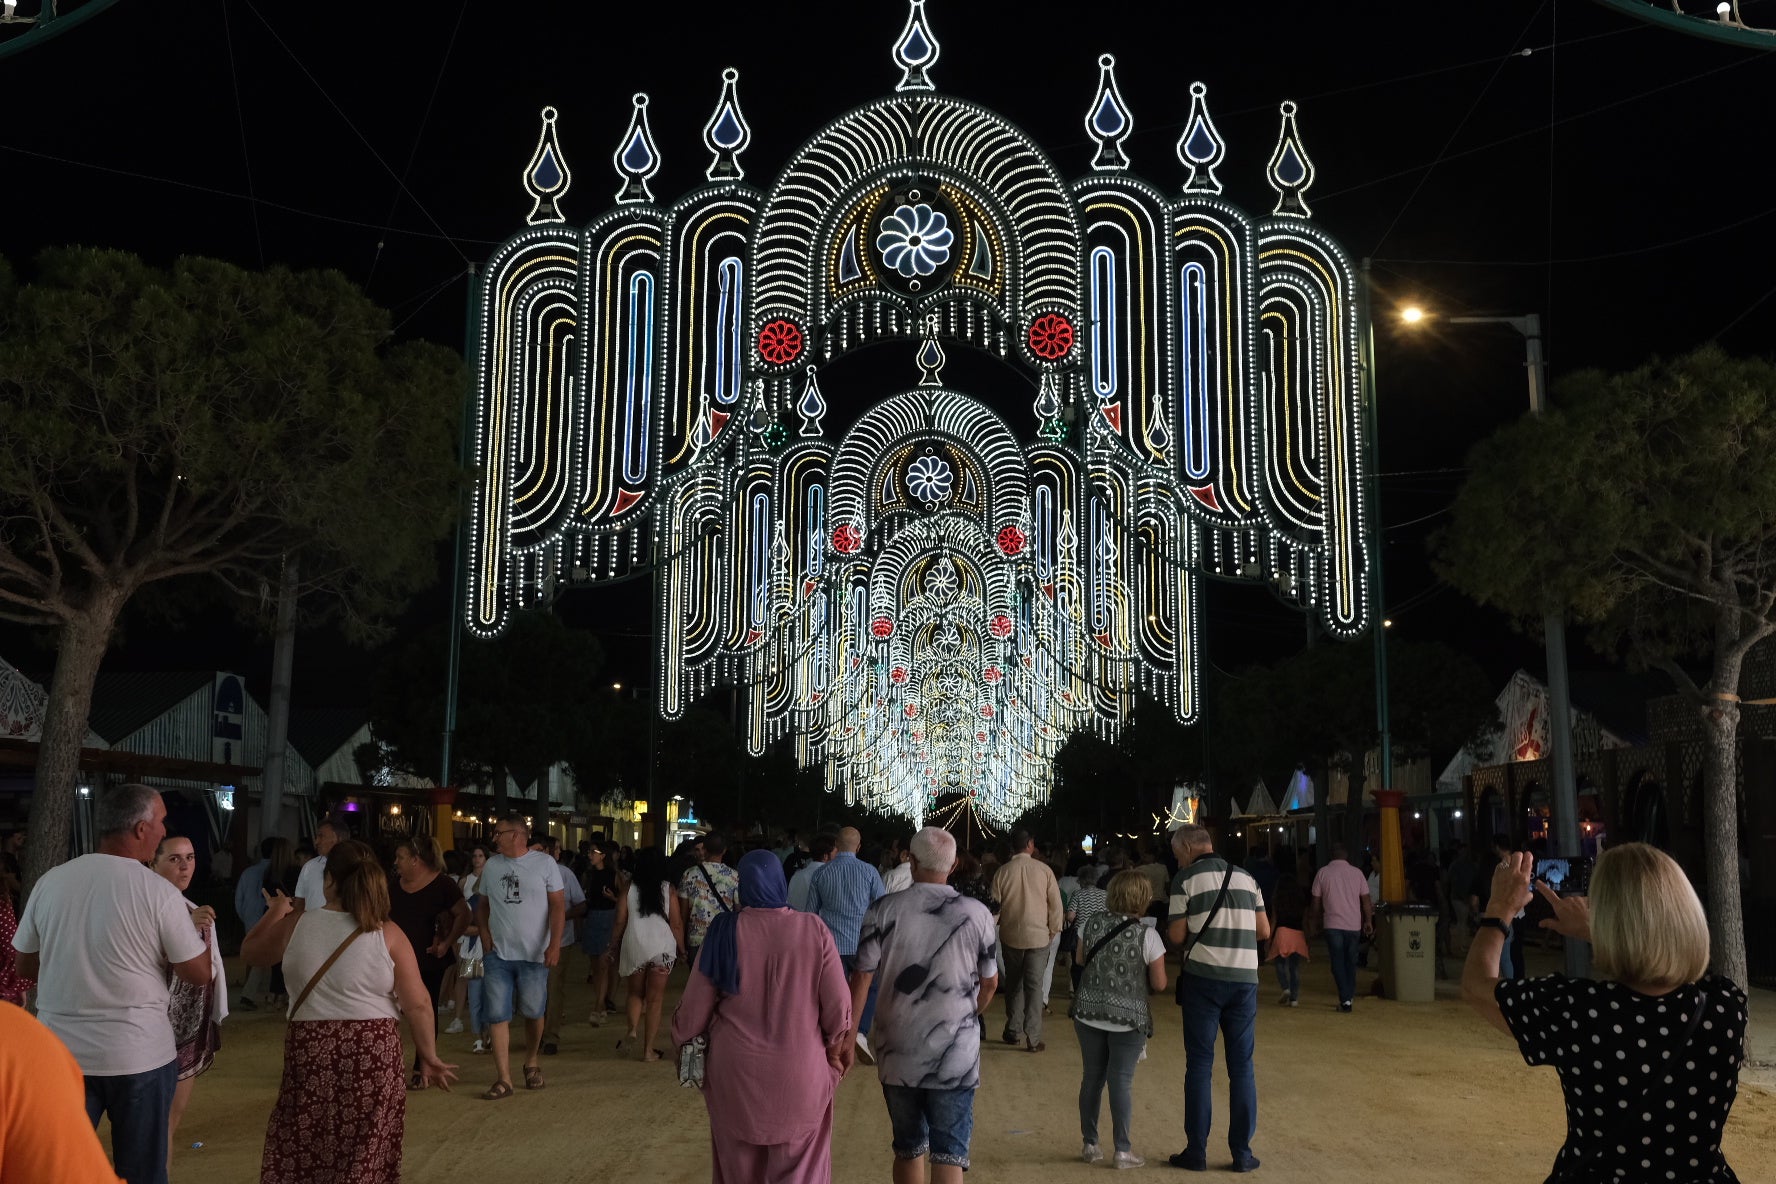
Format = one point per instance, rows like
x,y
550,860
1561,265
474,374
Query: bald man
x,y
841,892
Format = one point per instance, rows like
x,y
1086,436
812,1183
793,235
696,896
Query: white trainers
x,y
1284,1001
455,1028
1128,1159
481,1046
863,1050
1091,1153
596,1019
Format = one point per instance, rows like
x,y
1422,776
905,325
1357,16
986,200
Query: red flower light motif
x,y
1001,626
992,674
882,628
780,341
986,711
1011,540
847,539
912,710
898,675
1051,336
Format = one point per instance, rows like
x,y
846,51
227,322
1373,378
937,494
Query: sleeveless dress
x,y
647,940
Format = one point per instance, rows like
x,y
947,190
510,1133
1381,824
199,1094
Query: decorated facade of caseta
x,y
928,595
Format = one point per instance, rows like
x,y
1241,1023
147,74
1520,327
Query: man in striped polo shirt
x,y
1217,915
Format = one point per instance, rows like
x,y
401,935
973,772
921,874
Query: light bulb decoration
x,y
918,598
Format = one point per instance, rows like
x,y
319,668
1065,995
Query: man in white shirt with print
x,y
99,934
311,892
521,916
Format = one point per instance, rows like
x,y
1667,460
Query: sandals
x,y
416,1083
498,1091
533,1077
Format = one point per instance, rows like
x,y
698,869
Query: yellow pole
x,y
443,802
1393,860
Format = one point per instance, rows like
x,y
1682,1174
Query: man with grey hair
x,y
931,948
1217,915
311,892
99,934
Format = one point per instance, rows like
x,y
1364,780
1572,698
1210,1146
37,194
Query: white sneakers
x,y
863,1050
1091,1153
455,1028
1128,1159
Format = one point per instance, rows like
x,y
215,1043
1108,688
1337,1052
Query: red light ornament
x,y
780,341
847,539
1001,626
1011,540
882,628
1051,336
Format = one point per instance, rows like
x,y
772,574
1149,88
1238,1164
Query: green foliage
x,y
205,420
1639,504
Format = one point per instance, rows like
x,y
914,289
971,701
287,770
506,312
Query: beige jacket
x,y
1029,903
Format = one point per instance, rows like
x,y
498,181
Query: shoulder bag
x,y
713,890
325,967
1190,940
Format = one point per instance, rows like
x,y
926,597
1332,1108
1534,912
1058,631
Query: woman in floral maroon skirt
x,y
341,1111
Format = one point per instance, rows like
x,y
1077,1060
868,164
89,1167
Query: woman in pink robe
x,y
770,995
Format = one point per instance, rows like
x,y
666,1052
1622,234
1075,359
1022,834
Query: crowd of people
x,y
804,961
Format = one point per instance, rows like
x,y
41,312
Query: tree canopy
x,y
1644,505
198,423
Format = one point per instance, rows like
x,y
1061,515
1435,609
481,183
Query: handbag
x,y
692,1057
469,969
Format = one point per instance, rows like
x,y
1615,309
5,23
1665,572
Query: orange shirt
x,y
45,1135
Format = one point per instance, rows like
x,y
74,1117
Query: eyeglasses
x,y
500,834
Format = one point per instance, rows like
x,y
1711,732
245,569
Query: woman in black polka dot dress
x,y
1649,1052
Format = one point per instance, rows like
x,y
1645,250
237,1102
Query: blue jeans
x,y
503,984
1211,1005
849,962
1289,974
1341,949
138,1104
935,1122
477,1012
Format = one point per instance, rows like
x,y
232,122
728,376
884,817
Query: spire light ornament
x,y
916,51
546,177
636,158
1108,122
919,597
727,135
1290,172
1201,147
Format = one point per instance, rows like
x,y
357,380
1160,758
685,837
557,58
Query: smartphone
x,y
1569,876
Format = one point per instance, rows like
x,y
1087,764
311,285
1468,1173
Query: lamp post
x,y
1393,872
1566,792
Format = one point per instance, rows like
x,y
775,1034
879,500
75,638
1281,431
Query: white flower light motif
x,y
915,240
929,479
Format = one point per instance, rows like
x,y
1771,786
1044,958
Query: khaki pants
x,y
1024,970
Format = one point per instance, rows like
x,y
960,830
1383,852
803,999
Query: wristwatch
x,y
1494,923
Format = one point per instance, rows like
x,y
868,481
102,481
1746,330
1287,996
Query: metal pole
x,y
458,571
1377,594
1566,786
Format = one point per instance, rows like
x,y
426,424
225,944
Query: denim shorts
x,y
501,980
935,1122
599,924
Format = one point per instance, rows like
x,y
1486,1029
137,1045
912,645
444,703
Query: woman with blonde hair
x,y
1649,1052
341,1110
1120,961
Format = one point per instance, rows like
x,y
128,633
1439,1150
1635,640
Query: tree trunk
x,y
277,739
501,802
1720,815
80,648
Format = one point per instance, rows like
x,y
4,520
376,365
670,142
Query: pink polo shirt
x,y
1340,889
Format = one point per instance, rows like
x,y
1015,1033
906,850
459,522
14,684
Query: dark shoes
x,y
1345,1005
1039,1046
1248,1164
1011,1037
1190,1161
550,1050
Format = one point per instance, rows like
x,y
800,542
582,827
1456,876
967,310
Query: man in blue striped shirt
x,y
1217,913
841,892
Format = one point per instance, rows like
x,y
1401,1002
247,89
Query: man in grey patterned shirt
x,y
933,949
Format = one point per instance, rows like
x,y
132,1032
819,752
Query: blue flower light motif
x,y
929,479
915,240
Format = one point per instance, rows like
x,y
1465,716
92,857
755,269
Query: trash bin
x,y
1406,939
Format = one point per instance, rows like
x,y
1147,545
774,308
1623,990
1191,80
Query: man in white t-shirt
x,y
311,891
98,934
521,915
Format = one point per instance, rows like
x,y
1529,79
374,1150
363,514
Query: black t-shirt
x,y
1642,1103
420,915
597,880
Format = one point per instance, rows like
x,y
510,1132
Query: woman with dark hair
x,y
428,906
603,890
769,995
341,1110
646,942
194,1011
1649,1052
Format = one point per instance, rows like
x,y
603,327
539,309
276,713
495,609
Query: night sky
x,y
1605,180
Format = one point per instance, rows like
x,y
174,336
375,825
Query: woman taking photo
x,y
769,994
1649,1053
646,942
1121,960
194,1011
341,1110
427,906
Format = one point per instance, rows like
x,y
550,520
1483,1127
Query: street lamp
x,y
1566,793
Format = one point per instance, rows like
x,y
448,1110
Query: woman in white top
x,y
194,1011
646,942
341,1110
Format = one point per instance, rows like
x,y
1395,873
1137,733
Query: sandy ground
x,y
1406,1092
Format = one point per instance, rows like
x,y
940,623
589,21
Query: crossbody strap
x,y
1191,939
1105,940
325,967
713,890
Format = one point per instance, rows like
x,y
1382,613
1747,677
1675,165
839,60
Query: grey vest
x,y
1113,987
